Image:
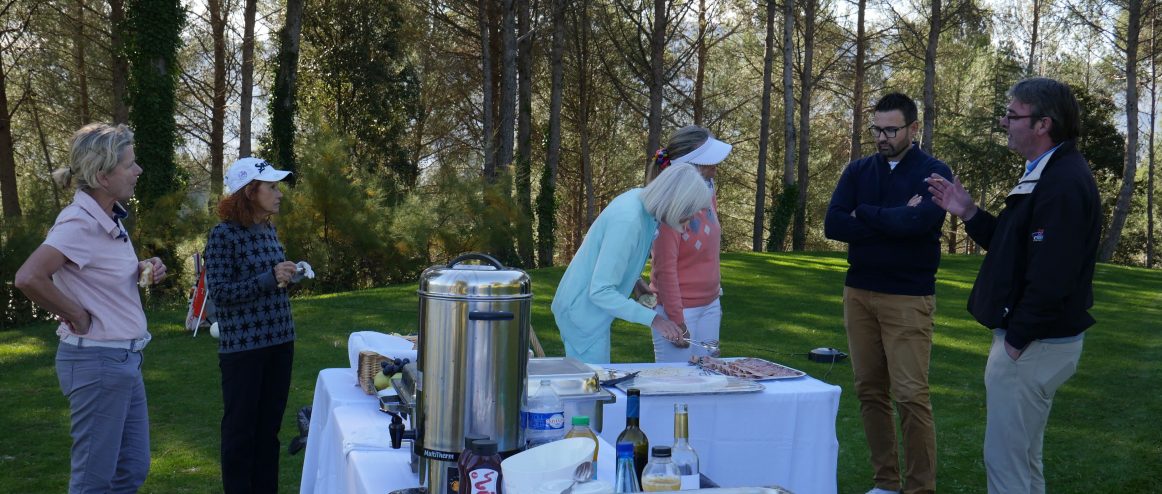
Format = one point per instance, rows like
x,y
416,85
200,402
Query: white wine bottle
x,y
682,453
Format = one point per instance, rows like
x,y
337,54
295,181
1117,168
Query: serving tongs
x,y
710,345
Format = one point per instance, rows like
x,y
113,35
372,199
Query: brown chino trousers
x,y
890,341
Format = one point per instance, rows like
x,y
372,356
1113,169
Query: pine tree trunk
x,y
508,87
218,104
1109,244
486,83
857,103
82,68
120,66
546,199
523,175
657,82
702,51
806,83
8,193
283,104
930,78
764,131
247,103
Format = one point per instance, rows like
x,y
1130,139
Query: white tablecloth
x,y
784,435
351,452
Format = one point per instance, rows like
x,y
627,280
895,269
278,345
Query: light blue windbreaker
x,y
596,285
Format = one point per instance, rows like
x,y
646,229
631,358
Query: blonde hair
x,y
94,149
677,193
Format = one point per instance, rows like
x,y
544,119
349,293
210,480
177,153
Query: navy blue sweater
x,y
892,247
253,312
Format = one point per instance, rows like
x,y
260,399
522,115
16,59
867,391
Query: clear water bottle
x,y
625,480
546,416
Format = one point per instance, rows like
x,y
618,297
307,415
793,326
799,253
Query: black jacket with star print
x,y
253,312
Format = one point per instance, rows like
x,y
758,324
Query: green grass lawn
x,y
1104,433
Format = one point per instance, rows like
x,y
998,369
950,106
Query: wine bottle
x,y
633,433
682,453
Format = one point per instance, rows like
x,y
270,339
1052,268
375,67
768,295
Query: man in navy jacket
x,y
1035,286
880,209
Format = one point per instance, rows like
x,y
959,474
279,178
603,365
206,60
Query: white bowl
x,y
526,471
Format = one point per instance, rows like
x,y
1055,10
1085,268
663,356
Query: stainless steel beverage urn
x,y
472,363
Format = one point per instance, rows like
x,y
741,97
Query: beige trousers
x,y
1019,395
890,341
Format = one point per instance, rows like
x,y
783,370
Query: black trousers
x,y
255,385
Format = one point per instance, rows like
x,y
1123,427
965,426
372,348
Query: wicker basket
x,y
368,367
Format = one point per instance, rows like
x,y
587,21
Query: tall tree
x,y
156,26
546,198
247,102
218,22
857,103
640,31
508,85
283,97
523,174
486,118
930,77
806,84
120,66
784,202
764,130
10,35
80,60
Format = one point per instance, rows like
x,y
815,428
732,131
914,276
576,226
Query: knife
x,y
614,382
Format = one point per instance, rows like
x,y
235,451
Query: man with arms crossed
x,y
1035,286
893,238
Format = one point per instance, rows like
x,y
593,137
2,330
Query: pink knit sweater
x,y
684,269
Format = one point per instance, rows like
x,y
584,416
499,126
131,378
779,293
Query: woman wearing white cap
x,y
246,275
685,269
599,279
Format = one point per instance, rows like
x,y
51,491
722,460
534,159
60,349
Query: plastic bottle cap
x,y
662,451
484,447
471,438
633,392
581,420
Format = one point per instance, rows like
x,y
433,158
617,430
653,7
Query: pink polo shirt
x,y
685,265
101,272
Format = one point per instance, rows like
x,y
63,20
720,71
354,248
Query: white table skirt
x,y
784,435
351,452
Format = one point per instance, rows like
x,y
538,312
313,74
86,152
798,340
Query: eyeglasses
x,y
889,132
1015,116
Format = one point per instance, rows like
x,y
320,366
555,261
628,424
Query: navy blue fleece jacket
x,y
892,247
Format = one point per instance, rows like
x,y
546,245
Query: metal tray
x,y
796,372
686,380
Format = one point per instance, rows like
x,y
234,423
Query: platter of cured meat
x,y
752,368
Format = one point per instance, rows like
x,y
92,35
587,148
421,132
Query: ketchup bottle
x,y
481,474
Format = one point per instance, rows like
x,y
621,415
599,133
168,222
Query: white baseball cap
x,y
246,170
711,152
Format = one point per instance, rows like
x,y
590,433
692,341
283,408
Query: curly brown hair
x,y
240,206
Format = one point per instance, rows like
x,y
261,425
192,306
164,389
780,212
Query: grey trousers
x,y
1019,394
110,421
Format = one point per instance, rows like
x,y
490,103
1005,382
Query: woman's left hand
x,y
158,269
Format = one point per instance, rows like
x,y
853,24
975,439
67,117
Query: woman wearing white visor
x,y
685,268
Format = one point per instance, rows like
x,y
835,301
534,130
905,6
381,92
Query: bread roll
x,y
146,277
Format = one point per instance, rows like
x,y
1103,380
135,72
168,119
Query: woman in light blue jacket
x,y
596,286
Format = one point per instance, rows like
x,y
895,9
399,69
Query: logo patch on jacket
x,y
1039,235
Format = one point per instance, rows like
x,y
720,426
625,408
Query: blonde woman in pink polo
x,y
87,273
684,272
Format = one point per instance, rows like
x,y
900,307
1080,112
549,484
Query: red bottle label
x,y
484,481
